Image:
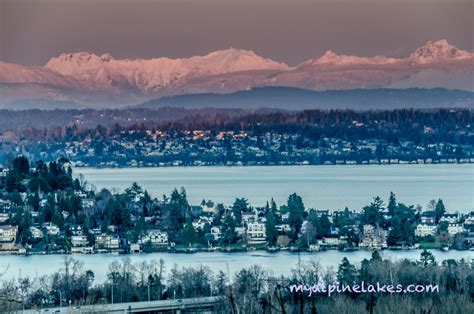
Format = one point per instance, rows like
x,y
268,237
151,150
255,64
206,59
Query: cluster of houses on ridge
x,y
154,148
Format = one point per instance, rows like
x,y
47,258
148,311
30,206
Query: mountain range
x,y
90,80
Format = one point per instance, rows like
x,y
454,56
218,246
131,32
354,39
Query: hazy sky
x,y
32,31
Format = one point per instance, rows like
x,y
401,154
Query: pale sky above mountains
x,y
31,32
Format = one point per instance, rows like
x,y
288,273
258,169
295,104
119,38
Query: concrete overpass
x,y
178,306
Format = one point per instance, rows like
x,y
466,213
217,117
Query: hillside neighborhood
x,y
339,137
44,209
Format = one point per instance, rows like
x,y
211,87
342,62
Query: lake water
x,y
322,187
279,263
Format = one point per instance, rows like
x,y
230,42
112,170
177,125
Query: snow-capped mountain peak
x,y
331,58
438,51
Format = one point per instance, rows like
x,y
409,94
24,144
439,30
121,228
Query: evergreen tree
x,y
296,211
392,204
21,166
376,256
372,214
427,259
228,232
270,228
346,273
439,210
189,234
325,225
240,205
34,202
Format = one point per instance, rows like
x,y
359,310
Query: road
x,y
178,306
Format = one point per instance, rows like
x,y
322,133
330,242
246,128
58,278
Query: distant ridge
x,y
297,99
42,105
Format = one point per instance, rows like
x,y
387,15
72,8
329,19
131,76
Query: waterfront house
x,y
135,248
8,237
373,238
455,228
424,230
331,242
36,233
51,229
107,242
79,240
256,233
4,217
155,238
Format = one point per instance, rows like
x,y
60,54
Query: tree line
x,y
254,289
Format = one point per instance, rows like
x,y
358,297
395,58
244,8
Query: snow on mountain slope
x,y
331,58
101,80
155,74
15,73
439,50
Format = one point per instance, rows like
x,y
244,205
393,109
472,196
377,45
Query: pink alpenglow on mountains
x,y
95,80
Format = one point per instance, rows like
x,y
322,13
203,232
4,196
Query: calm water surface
x,y
279,263
322,187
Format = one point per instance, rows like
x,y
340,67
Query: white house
x,y
450,218
155,237
455,228
4,217
423,230
216,232
36,233
51,229
79,240
8,237
256,233
105,241
331,241
199,223
283,228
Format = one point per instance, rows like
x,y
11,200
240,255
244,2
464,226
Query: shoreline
x,y
301,164
230,251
